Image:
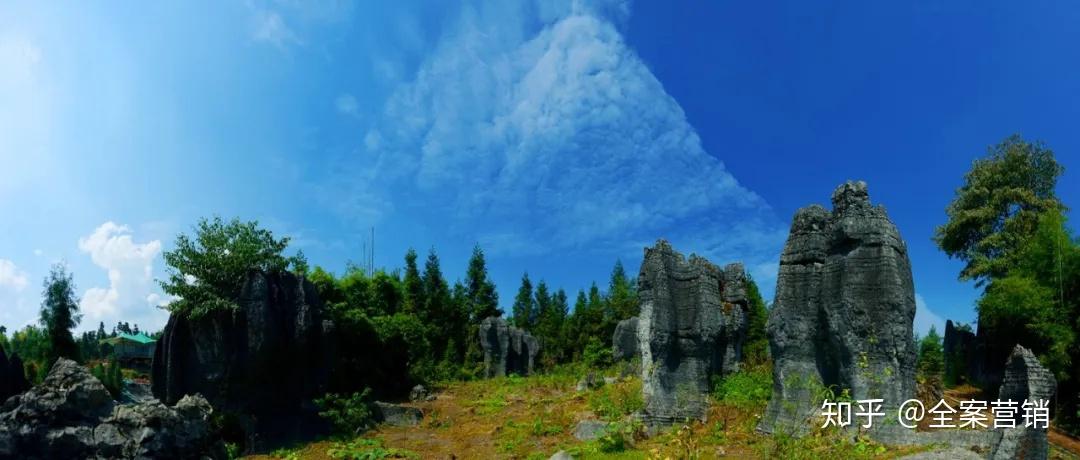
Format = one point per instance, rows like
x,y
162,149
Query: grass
x,y
534,417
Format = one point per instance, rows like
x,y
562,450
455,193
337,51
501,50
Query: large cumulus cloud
x,y
536,127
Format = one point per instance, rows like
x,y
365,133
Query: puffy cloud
x,y
11,277
131,293
924,318
534,127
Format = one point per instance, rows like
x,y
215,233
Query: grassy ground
x,y
534,417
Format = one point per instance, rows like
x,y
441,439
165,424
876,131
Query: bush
x,y
596,354
111,376
350,414
748,388
617,400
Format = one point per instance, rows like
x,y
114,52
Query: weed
x,y
617,400
367,449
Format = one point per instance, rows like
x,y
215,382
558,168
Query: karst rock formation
x,y
843,313
267,359
692,325
507,349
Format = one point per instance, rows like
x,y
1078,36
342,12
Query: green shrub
x,y
617,400
351,414
111,376
748,388
596,354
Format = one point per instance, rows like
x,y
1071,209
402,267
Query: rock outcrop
x,y
397,414
625,346
12,378
72,415
692,325
1025,380
959,349
507,349
843,312
267,359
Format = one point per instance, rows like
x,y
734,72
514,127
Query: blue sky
x,y
560,135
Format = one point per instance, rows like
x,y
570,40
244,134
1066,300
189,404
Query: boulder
x,y
507,349
420,393
1025,379
960,351
590,381
625,344
692,325
587,430
843,312
265,360
397,414
72,415
561,455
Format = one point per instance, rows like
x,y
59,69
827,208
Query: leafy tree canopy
x,y
998,207
60,313
206,271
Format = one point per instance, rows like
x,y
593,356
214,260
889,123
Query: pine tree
x,y
622,295
480,291
524,308
60,313
414,287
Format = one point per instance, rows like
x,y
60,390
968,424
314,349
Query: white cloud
x,y
11,277
924,318
346,105
131,295
268,26
536,128
38,252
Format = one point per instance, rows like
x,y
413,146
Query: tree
x,y
414,288
622,295
756,349
60,314
931,357
206,271
524,308
480,293
998,207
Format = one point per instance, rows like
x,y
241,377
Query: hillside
x,y
535,417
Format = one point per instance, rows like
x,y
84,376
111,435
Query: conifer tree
x,y
60,314
524,308
482,299
414,288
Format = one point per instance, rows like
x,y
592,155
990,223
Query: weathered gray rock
x,y
507,349
397,414
136,392
561,455
959,346
590,381
625,345
267,359
72,415
587,430
692,324
420,393
843,312
1025,380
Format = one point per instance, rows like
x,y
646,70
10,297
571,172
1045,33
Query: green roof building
x,y
132,347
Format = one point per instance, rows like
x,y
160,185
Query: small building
x,y
132,348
